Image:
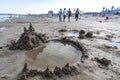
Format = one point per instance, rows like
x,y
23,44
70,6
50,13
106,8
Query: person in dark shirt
x,y
77,14
69,14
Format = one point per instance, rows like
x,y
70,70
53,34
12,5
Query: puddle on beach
x,y
115,40
116,44
54,54
72,34
2,29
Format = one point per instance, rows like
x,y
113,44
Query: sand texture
x,y
105,43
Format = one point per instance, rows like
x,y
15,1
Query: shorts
x,y
76,16
64,16
69,15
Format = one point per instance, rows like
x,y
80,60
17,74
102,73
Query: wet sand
x,y
105,43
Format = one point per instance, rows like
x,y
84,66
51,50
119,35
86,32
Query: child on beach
x,y
107,17
60,15
64,14
69,14
77,14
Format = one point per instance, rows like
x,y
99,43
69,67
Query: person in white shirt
x,y
64,14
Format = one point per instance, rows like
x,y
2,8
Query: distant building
x,y
50,13
112,11
116,11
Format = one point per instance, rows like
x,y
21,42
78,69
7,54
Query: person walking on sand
x,y
77,14
106,17
69,14
60,15
64,14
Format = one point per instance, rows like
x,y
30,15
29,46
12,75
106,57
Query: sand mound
x,y
29,39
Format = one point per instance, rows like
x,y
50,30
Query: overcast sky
x,y
43,6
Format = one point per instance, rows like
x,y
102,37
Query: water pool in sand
x,y
116,44
72,34
2,29
54,54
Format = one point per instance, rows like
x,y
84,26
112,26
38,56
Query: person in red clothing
x,y
69,14
107,17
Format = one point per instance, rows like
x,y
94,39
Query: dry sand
x,y
106,36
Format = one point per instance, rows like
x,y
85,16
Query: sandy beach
x,y
104,44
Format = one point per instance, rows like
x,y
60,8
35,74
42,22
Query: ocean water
x,y
2,29
72,34
4,18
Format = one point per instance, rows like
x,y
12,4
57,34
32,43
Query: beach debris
x,y
47,73
70,70
75,30
60,72
74,70
82,34
109,36
62,30
100,21
1,47
84,56
104,62
66,69
26,73
89,35
28,40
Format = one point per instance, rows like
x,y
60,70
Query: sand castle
x,y
28,40
57,72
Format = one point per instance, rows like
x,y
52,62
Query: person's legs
x,y
60,18
76,17
69,18
64,16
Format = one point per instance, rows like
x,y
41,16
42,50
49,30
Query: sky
x,y
43,6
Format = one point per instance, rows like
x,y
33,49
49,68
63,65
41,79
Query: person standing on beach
x,y
69,14
64,14
106,17
77,14
60,15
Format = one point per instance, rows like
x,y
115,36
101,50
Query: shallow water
x,y
116,42
72,34
117,45
2,29
55,54
4,18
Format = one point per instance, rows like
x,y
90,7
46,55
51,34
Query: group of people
x,y
63,14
